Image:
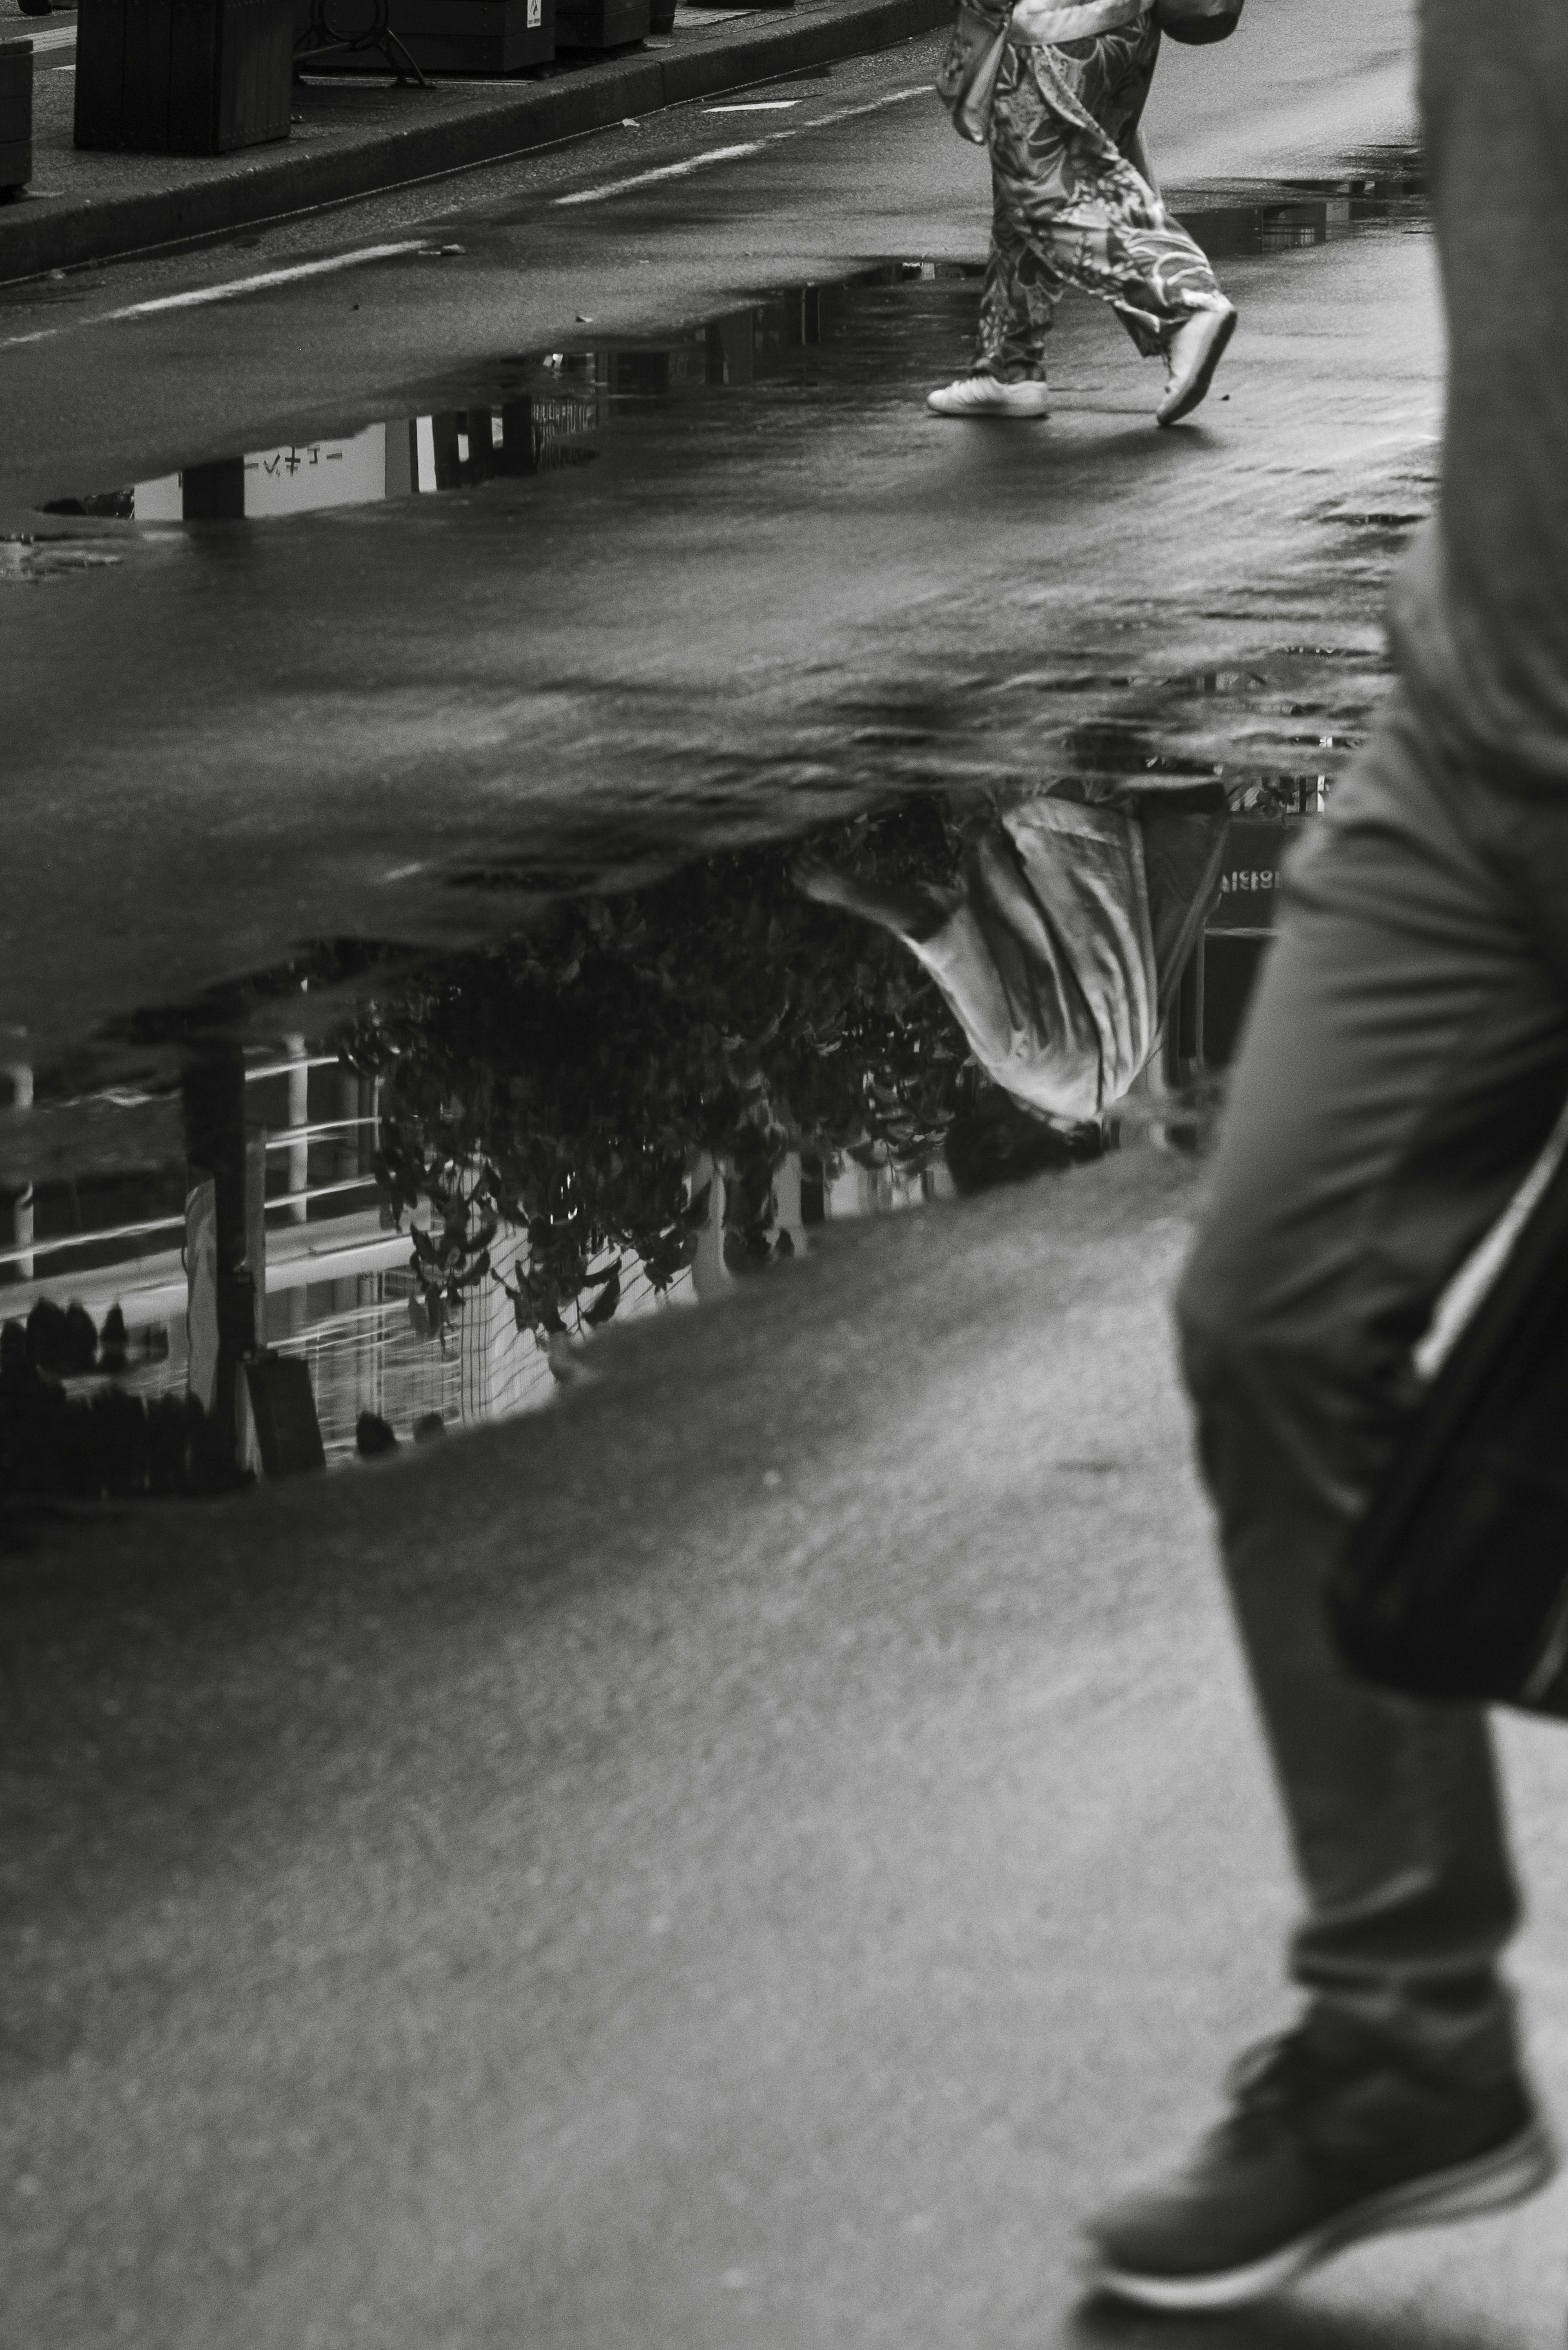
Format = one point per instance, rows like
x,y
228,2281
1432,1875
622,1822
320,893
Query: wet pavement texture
x,y
556,658
556,652
749,1853
577,556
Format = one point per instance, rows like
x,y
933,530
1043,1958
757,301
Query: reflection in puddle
x,y
1309,213
543,413
638,1102
416,456
539,417
353,1234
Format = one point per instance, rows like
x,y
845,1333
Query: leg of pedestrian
x,y
1018,301
1406,1058
1070,208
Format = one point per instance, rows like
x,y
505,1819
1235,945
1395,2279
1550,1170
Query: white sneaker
x,y
1194,352
982,395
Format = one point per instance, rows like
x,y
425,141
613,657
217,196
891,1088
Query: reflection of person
x,y
1062,938
1404,1062
1073,206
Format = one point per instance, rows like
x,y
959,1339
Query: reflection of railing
x,y
64,1243
60,1243
277,1136
260,1070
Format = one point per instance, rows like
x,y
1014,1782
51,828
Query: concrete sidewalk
x,y
354,138
742,1858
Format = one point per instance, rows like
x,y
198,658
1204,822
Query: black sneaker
x,y
1320,2151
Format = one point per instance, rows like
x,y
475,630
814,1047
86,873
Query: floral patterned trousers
x,y
1070,210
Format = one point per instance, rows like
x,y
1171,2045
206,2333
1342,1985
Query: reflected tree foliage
x,y
579,1083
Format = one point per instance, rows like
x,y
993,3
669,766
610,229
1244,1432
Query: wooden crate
x,y
182,76
600,24
16,113
454,36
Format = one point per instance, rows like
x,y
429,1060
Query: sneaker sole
x,y
1198,389
1510,2174
988,415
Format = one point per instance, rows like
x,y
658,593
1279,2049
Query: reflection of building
x,y
547,411
1227,230
337,1287
446,451
1204,1024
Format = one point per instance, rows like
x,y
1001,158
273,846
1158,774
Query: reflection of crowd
x,y
105,1442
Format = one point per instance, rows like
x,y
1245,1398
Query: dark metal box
x,y
16,114
183,76
455,36
600,24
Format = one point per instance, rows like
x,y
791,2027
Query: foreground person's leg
x,y
1407,1056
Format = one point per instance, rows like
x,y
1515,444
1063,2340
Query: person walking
x,y
1074,204
1404,1063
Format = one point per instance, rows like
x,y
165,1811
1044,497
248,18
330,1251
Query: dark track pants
x,y
1407,1056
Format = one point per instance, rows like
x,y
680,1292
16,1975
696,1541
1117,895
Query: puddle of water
x,y
1388,191
549,411
321,1245
368,1197
544,413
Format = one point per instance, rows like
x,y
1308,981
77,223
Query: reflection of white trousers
x,y
1049,961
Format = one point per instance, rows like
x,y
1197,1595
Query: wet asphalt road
x,y
760,600
746,1860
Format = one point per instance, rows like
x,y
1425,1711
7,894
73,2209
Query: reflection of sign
x,y
559,419
1250,879
312,473
289,460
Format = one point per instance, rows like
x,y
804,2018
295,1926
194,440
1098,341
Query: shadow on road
x,y
1100,2323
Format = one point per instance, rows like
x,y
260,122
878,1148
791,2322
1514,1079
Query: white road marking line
x,y
756,106
731,154
234,286
229,290
237,285
62,37
664,171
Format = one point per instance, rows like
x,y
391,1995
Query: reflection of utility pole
x,y
214,492
519,449
225,1248
731,348
1183,1058
21,1077
709,1273
299,1117
788,1190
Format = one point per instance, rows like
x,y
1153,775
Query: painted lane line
x,y
60,37
227,292
757,106
234,286
664,171
602,194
